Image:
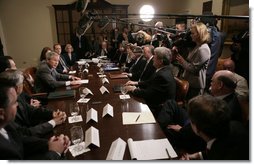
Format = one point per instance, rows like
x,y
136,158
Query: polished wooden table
x,y
110,128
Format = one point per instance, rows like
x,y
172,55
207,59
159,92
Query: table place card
x,y
92,114
124,97
108,109
75,152
87,91
92,137
75,119
72,72
103,90
84,81
102,75
83,100
105,80
117,149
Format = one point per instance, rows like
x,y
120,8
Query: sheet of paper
x,y
102,75
122,97
75,119
117,149
75,152
72,72
108,109
83,100
92,114
151,149
137,118
105,80
103,90
92,137
81,62
84,81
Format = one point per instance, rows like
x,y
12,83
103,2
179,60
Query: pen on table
x,y
168,153
137,118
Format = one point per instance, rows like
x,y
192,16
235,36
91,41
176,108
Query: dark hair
x,y
4,63
210,115
4,88
43,53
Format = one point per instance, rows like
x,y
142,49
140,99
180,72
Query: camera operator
x,y
215,45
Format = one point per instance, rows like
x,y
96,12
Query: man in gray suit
x,y
48,79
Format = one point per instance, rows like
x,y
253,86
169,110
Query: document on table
x,y
151,149
138,117
84,81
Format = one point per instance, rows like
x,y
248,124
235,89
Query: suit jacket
x,y
33,119
234,106
158,89
24,147
148,71
48,79
137,68
70,62
234,146
196,65
62,65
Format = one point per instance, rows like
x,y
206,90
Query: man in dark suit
x,y
14,145
222,87
33,121
149,69
138,65
48,79
62,66
226,139
161,86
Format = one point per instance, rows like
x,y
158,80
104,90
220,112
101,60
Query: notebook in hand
x,y
61,94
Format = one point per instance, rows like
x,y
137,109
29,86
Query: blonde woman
x,y
195,65
69,57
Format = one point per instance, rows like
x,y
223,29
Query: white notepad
x,y
138,117
151,149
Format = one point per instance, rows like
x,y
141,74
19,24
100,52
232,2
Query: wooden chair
x,y
182,87
28,84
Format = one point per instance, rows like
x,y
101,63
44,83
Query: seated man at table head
x,y
225,138
48,79
13,144
161,86
35,121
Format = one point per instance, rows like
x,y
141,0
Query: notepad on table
x,y
138,117
151,149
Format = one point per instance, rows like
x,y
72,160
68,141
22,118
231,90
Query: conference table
x,y
110,128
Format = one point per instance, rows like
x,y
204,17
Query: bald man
x,y
242,88
223,86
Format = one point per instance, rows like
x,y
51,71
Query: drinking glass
x,y
80,67
101,70
74,110
123,90
77,136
